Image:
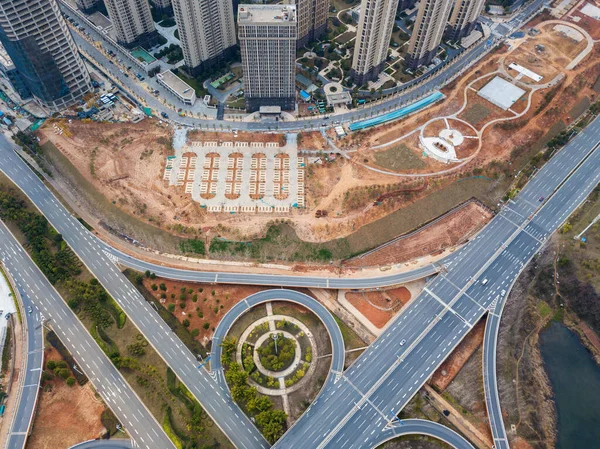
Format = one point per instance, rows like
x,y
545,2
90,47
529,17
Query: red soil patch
x,y
379,307
207,308
450,368
65,415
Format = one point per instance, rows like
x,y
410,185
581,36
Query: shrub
x,y
171,307
182,304
186,322
70,381
195,332
154,287
206,326
163,287
51,364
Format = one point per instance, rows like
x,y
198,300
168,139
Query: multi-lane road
x,y
215,400
27,390
381,382
41,295
351,411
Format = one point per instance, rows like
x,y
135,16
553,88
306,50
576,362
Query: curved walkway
x,y
423,427
337,341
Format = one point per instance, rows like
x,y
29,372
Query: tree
x,y
206,325
271,423
70,381
163,287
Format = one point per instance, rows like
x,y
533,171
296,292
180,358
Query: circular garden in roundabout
x,y
276,358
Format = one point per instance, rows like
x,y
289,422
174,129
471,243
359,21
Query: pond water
x,y
575,379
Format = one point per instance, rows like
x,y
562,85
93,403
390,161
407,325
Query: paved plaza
x,y
237,176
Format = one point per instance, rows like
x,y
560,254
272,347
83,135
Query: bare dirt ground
x,y
125,162
215,136
450,230
312,141
463,352
207,307
65,415
379,307
589,24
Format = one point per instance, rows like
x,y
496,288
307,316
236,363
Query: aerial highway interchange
x,y
355,408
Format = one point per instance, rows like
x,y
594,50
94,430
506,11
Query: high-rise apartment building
x,y
373,39
87,6
406,4
312,19
132,22
35,36
463,18
267,35
427,32
163,6
206,31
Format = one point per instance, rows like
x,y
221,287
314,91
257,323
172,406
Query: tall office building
x,y
312,19
373,39
35,36
132,21
427,32
206,31
268,36
463,18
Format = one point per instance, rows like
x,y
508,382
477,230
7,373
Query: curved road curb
x,y
335,335
423,427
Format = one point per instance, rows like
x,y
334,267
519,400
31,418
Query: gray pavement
x,y
104,444
423,427
107,380
28,387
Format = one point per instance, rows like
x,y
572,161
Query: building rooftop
x,y
266,13
182,89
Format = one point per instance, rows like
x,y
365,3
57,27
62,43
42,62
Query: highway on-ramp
x,y
107,380
422,427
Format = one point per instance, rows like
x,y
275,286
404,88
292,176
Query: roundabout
x,y
266,340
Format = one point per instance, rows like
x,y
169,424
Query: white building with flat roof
x,y
267,35
182,90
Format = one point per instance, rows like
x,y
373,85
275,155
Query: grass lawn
x,y
346,37
476,113
399,158
194,84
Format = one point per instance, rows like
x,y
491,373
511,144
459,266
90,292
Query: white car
x,y
402,342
